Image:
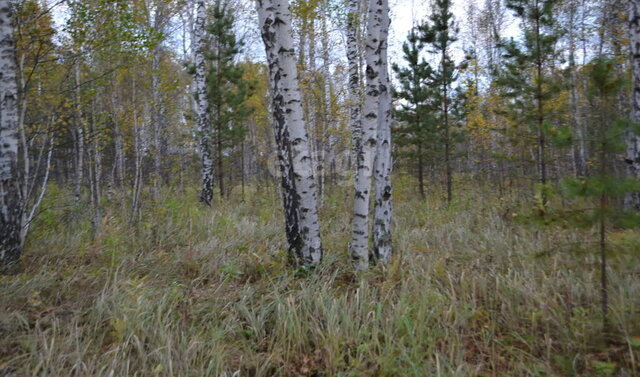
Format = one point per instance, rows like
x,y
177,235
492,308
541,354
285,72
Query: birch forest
x,y
319,188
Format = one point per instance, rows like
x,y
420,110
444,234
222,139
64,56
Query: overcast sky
x,y
404,14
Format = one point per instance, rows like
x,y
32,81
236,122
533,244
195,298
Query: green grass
x,y
193,291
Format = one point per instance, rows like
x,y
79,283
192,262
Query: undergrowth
x,y
194,291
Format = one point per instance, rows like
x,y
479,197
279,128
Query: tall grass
x,y
194,291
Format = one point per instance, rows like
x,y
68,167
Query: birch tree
x,y
383,162
633,140
359,247
353,58
298,181
10,200
202,103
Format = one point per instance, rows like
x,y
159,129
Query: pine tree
x,y
439,33
227,90
603,189
416,124
526,76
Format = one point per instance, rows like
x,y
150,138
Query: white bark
x,y
119,163
157,115
353,58
137,136
383,164
10,200
360,237
291,135
633,140
78,139
43,190
95,172
202,104
156,119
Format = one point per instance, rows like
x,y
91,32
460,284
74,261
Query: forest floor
x,y
192,291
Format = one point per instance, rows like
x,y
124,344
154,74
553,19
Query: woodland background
x,y
515,165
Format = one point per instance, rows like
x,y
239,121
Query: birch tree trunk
x,y
10,201
27,219
95,172
298,181
156,120
119,163
137,150
364,160
157,113
355,94
633,140
383,164
78,139
202,104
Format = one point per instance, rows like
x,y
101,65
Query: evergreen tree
x,y
601,192
227,89
440,33
527,73
416,122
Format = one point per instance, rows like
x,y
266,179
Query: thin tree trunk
x,y
118,143
157,112
11,203
604,202
78,139
242,168
43,190
383,214
291,135
156,121
355,92
447,139
541,152
204,127
219,157
95,172
359,247
632,200
137,180
421,171
579,160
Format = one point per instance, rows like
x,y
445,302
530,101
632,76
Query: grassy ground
x,y
192,291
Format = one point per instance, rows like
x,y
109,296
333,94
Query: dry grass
x,y
191,291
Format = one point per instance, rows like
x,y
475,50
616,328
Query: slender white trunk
x,y
156,120
383,165
137,180
157,113
360,237
78,139
291,135
579,162
355,92
10,199
43,190
118,142
633,140
95,172
202,104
